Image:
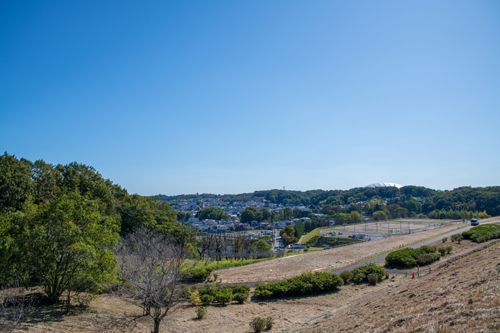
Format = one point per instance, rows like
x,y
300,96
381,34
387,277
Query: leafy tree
x,y
299,228
66,244
380,215
213,213
15,182
289,235
249,214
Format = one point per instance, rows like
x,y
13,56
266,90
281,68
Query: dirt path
x,y
333,259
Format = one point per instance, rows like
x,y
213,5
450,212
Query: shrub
x,y
213,293
360,274
194,297
240,298
201,312
457,238
408,257
442,251
207,299
269,323
448,249
241,290
259,324
427,249
427,258
346,276
404,258
372,279
301,285
201,270
483,233
444,239
224,296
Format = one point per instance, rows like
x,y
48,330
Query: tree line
x,y
60,223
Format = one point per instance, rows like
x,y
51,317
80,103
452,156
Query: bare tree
x,y
150,265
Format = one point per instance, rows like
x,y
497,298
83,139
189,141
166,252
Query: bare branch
x,y
150,265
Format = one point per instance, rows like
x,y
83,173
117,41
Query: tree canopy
x,y
58,224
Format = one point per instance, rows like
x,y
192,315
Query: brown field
x,y
460,293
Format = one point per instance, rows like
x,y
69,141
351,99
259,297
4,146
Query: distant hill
x,y
415,199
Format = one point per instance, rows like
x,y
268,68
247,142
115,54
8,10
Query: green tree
x,y
213,213
15,182
289,235
249,214
380,215
355,217
299,228
66,245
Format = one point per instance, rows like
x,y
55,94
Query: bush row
x,y
214,294
483,233
371,274
201,270
409,257
302,285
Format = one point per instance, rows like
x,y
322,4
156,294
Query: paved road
x,y
381,258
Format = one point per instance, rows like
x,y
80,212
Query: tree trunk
x,y
156,326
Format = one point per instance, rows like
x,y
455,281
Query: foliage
x,y
224,296
213,213
347,218
199,270
289,235
457,214
444,239
372,279
307,237
207,299
326,241
194,297
65,244
259,324
346,276
457,238
215,294
409,257
483,233
240,298
59,222
201,312
427,258
445,250
408,201
380,215
360,274
301,285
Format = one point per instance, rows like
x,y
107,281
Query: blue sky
x,y
234,96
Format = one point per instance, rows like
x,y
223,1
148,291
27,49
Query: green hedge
x,y
483,233
370,273
214,294
303,285
409,257
200,270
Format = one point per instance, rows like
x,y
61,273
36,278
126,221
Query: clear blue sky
x,y
234,96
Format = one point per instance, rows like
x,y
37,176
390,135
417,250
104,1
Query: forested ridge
x,y
410,200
